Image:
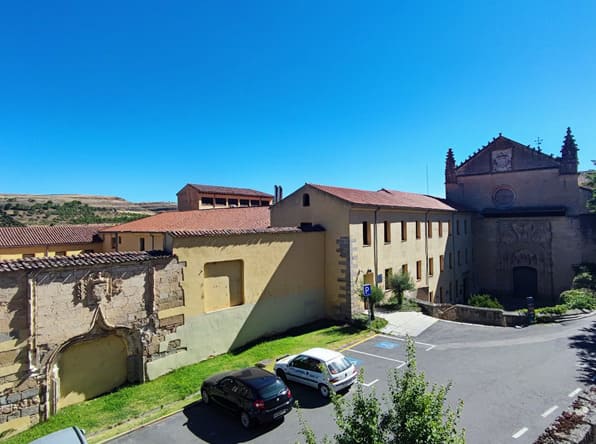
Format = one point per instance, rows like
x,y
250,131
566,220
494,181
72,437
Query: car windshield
x,y
271,390
338,365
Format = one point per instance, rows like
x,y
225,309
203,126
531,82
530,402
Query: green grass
x,y
173,391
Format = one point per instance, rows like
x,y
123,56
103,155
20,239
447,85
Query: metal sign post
x,y
531,314
366,292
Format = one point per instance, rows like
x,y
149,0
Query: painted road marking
x,y
380,357
429,346
354,360
574,392
549,411
386,345
358,343
369,384
519,433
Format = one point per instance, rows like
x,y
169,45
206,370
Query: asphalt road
x,y
514,382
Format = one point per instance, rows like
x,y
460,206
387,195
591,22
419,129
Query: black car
x,y
256,394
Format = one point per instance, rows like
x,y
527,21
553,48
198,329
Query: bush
x,y
400,283
584,280
484,300
554,310
362,322
581,299
378,324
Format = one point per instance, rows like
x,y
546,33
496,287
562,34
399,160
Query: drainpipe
x,y
375,247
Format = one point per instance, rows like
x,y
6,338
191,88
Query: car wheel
x,y
282,375
324,390
205,396
245,420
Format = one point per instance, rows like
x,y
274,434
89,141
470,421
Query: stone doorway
x,y
525,282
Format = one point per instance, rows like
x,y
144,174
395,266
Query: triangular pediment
x,y
503,155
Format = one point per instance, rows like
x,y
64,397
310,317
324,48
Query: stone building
x,y
530,218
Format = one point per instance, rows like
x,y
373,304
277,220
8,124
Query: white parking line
x,y
370,383
574,392
549,411
377,356
519,433
430,346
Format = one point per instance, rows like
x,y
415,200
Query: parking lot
x,y
513,383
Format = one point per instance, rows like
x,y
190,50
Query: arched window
x,y
305,200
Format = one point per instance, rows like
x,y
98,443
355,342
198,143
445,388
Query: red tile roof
x,y
49,235
207,233
385,198
37,263
241,218
212,189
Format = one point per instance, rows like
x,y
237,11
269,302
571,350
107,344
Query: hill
x,y
46,209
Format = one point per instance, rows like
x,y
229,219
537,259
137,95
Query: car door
x,y
225,393
300,370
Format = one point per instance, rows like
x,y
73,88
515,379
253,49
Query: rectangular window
x,y
387,232
220,201
441,263
466,255
429,229
60,253
255,203
404,268
244,202
457,227
264,203
450,260
233,202
365,233
449,228
404,230
207,200
142,244
114,242
388,274
28,255
417,229
458,257
440,229
431,266
418,270
465,226
440,295
430,296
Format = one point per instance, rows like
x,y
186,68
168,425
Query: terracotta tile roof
x,y
385,198
40,263
49,235
212,189
241,218
209,233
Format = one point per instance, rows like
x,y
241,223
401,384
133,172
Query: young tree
x,y
415,413
376,296
400,283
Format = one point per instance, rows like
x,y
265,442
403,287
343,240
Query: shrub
x,y
584,280
484,300
555,309
581,299
400,283
378,324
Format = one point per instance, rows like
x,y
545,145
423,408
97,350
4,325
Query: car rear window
x,y
271,390
338,365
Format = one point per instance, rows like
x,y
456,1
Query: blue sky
x,y
136,99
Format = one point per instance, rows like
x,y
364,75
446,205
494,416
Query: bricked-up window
x,y
404,268
207,200
429,229
457,227
142,244
388,274
306,200
431,266
441,263
404,230
440,228
365,233
387,231
417,229
223,285
418,270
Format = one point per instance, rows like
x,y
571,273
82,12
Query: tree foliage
x,y
591,182
376,296
416,413
400,283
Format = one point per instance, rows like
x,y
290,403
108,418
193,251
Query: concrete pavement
x,y
406,323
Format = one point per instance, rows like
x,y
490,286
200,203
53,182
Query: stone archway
x,y
525,282
90,368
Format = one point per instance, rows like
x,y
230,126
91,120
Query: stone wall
x,y
50,305
472,315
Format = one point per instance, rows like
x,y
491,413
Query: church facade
x,y
530,218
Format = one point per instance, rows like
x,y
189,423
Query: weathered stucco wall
x,y
282,286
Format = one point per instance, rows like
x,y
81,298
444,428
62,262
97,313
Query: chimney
x,y
281,193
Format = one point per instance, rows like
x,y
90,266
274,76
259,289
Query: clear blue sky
x,y
136,99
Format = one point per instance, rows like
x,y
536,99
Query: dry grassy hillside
x,y
45,209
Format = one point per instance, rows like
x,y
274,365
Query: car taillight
x,y
289,393
259,404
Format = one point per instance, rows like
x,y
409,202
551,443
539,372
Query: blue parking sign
x,y
366,290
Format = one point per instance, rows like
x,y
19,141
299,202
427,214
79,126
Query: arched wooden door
x,y
90,368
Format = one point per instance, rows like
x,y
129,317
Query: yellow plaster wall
x,y
131,241
43,251
283,286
